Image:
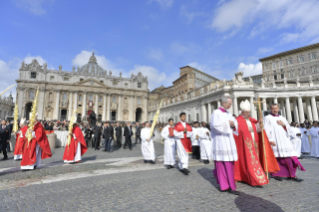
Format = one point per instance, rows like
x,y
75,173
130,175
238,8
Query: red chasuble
x,y
248,168
18,150
70,152
185,141
29,152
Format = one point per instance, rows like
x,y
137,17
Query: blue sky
x,y
156,37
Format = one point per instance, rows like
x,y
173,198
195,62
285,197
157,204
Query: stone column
x,y
119,109
96,106
252,108
235,106
41,103
296,114
309,111
104,108
20,102
203,108
219,104
264,104
84,105
57,105
209,111
301,110
108,118
70,105
282,105
131,109
288,110
146,109
314,108
76,97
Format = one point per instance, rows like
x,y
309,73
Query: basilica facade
x,y
84,89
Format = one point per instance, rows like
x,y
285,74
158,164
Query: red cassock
x,y
70,152
18,150
29,152
185,141
248,168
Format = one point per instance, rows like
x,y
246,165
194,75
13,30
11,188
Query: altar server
x,y
196,141
148,150
169,144
296,138
205,143
314,132
305,145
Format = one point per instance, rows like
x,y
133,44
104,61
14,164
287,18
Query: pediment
x,y
91,83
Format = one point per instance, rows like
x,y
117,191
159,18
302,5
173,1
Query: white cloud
x,y
9,72
165,4
189,16
298,16
34,6
155,78
250,69
155,54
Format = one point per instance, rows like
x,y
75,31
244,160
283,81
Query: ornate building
x,y
87,88
6,106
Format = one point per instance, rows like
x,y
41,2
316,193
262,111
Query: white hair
x,y
225,99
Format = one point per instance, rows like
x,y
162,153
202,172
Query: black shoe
x,y
169,167
206,161
152,161
145,161
296,179
185,171
4,159
278,178
233,192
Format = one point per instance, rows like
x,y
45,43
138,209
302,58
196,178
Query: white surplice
x,y
181,152
223,144
147,147
305,145
195,136
205,143
314,141
296,140
281,137
169,147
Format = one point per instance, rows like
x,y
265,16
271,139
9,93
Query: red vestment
x,y
70,151
248,168
29,152
185,141
18,150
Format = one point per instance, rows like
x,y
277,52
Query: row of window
x,y
300,59
291,73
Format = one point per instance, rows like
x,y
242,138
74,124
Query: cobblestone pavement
x,y
120,181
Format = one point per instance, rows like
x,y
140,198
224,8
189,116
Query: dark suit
x,y
11,128
97,136
5,135
128,134
108,135
87,136
138,134
118,132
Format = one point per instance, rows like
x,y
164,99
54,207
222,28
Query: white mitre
x,y
23,121
245,105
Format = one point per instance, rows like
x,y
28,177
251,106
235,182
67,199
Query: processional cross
x,y
262,133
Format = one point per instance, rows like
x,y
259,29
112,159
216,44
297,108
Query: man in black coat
x,y
118,132
5,136
108,135
137,133
97,135
87,135
128,134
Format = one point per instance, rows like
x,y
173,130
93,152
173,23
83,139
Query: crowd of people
x,y
240,149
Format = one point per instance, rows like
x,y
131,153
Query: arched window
x,y
114,99
65,96
80,98
139,101
31,94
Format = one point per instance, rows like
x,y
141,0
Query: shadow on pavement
x,y
88,158
208,175
246,202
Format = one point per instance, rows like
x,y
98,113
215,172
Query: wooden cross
x,y
262,132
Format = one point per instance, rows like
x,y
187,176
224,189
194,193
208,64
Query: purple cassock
x,y
288,167
224,174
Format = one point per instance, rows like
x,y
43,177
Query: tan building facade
x,y
89,88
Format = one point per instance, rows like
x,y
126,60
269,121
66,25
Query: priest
x,y
248,168
75,150
205,143
36,149
305,145
279,133
20,140
183,131
169,144
314,132
223,125
147,146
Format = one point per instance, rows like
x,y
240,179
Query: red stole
x,y
18,150
70,152
185,141
29,152
247,167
